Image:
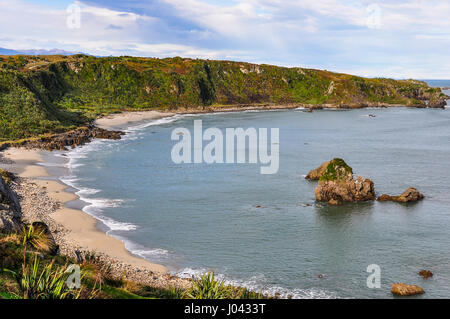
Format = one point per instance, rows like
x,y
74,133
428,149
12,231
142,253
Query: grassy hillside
x,y
40,94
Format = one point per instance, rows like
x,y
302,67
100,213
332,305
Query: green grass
x,y
119,293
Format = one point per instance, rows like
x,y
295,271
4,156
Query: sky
x,y
385,38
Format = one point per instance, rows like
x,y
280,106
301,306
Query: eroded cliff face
x,y
10,211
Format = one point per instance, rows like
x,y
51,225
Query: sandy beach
x,y
79,229
119,120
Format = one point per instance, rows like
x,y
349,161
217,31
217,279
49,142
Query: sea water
x,y
200,217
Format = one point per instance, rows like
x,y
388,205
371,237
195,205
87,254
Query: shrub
x,y
99,270
46,283
37,238
207,287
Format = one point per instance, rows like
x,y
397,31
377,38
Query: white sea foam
x,y
88,191
257,283
151,253
114,225
96,206
164,120
46,164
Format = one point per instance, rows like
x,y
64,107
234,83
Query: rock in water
x,y
410,195
316,174
337,185
400,289
426,274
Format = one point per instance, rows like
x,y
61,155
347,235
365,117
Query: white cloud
x,y
44,28
410,41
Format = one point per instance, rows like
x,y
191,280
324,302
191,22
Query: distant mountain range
x,y
4,51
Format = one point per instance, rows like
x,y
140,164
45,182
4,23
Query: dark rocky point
x,y
70,139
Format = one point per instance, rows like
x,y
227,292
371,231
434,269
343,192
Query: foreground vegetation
x,y
29,270
41,94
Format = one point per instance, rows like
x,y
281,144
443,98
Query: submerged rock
x,y
316,174
401,289
337,185
426,274
410,195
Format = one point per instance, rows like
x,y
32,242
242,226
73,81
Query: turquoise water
x,y
198,217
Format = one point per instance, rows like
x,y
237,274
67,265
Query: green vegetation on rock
x,y
41,94
337,169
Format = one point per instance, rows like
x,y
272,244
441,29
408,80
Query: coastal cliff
x,y
49,94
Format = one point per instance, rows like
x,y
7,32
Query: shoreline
x,y
44,197
75,228
120,120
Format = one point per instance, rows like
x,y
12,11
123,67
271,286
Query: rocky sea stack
x,y
337,185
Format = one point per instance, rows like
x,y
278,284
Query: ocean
x,y
194,218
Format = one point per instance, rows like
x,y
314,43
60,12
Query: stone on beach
x,y
401,289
